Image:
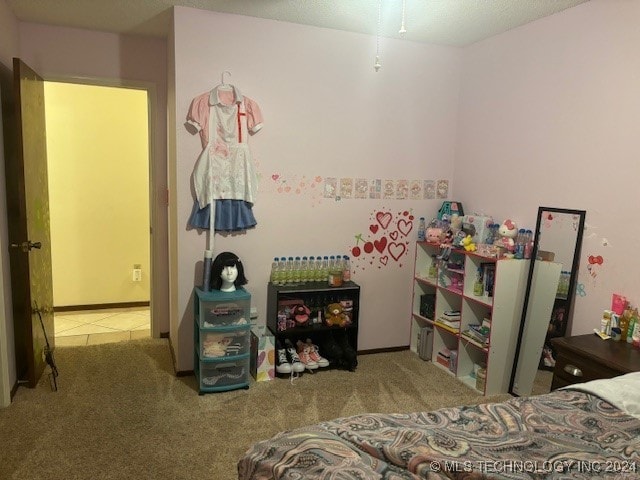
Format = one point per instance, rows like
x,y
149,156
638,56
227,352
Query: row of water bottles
x,y
292,270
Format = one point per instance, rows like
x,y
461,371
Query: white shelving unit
x,y
453,288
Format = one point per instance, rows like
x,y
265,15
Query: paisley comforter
x,y
564,434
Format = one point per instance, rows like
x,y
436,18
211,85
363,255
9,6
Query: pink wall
x,y
9,39
327,114
549,116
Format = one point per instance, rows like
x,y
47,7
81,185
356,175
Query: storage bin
x,y
222,374
224,342
219,309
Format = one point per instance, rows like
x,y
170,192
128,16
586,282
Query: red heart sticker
x,y
380,244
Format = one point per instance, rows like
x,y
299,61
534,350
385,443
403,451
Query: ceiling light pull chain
x,y
377,63
403,30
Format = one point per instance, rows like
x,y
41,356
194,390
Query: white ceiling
x,y
442,22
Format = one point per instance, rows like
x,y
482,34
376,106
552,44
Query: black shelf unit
x,y
315,295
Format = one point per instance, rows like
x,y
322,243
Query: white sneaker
x,y
283,365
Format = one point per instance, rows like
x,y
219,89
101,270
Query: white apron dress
x,y
224,177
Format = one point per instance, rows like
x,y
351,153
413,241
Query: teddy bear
x,y
508,232
334,315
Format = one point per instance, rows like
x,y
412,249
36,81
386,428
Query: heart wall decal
x,y
380,244
384,219
404,227
396,250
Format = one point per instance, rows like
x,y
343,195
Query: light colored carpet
x,y
121,413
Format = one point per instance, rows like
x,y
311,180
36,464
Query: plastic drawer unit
x,y
222,339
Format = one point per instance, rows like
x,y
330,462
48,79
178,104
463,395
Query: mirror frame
x,y
572,280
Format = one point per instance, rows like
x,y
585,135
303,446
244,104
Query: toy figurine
x,y
467,243
508,232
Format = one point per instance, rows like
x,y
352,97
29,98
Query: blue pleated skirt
x,y
230,216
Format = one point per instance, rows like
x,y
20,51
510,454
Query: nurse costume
x,y
224,177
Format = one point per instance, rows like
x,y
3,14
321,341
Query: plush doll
x,y
467,243
300,314
508,232
334,315
456,224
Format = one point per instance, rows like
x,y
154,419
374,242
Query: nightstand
x,y
587,357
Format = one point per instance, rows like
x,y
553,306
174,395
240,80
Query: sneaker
x,y
296,365
349,355
282,364
304,352
314,354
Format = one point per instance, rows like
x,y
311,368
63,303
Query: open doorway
x,y
98,161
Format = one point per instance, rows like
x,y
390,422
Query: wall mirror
x,y
549,297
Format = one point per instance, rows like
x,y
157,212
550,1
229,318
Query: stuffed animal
x,y
334,315
300,314
467,243
456,223
508,232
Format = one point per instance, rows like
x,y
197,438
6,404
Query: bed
x,y
590,430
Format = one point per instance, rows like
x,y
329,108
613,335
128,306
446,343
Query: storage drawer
x,y
224,342
218,309
223,374
571,368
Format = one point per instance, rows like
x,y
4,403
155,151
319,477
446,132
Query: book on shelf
x,y
479,332
448,322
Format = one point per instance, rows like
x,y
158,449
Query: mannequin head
x,y
227,272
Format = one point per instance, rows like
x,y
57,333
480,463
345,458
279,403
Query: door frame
x,y
158,199
159,247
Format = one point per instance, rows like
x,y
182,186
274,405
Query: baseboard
x,y
100,306
383,350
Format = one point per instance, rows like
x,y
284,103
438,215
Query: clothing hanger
x,y
222,84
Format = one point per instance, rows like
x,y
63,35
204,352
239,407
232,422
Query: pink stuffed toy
x,y
508,232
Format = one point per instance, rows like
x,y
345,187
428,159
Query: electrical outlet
x,y
137,273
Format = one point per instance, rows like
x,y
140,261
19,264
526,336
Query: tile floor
x,y
92,327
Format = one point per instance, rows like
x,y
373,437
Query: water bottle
x,y
318,270
304,270
296,270
275,271
282,272
422,230
332,261
325,269
337,265
311,269
346,268
288,278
